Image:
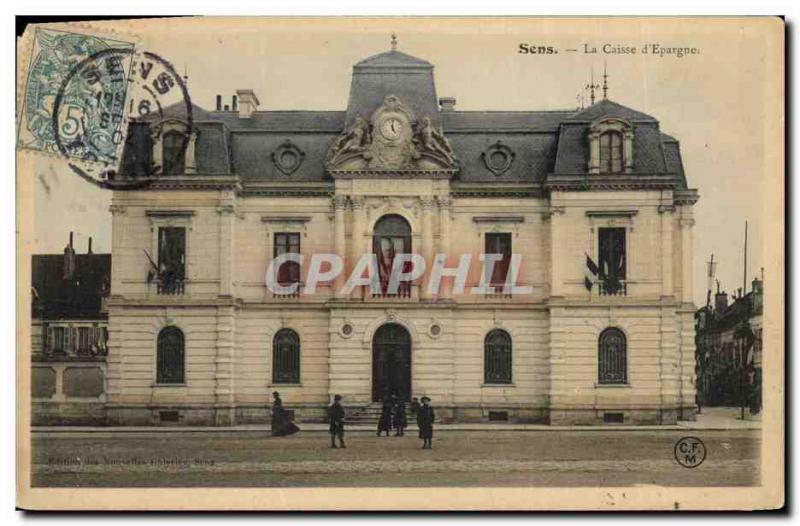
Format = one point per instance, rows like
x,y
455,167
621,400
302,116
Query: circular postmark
x,y
113,114
690,452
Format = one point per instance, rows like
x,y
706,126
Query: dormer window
x,y
610,146
611,152
173,147
173,153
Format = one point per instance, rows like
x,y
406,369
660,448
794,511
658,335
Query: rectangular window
x,y
171,259
58,339
612,261
83,339
499,244
287,243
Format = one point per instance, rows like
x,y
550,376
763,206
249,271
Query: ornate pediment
x,y
393,140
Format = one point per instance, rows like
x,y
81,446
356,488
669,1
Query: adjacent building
x,y
595,201
69,331
729,349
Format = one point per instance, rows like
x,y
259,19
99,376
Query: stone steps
x,y
370,414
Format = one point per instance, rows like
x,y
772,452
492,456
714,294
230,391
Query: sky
x,y
714,102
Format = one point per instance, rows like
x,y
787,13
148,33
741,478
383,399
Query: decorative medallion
x,y
346,330
434,330
498,158
288,157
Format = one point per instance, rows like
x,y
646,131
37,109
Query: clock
x,y
392,128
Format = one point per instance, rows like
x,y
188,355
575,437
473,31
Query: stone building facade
x,y
69,334
729,354
196,337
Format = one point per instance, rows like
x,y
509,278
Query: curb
x,y
309,427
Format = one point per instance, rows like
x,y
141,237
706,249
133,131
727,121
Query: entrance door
x,y
391,363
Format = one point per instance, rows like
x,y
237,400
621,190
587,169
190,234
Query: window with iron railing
x,y
171,259
612,357
391,237
497,357
170,356
286,357
612,261
289,271
500,244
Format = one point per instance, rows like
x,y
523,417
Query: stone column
x,y
556,261
358,244
594,153
191,164
226,250
224,406
446,288
687,252
627,150
118,219
427,240
666,250
339,203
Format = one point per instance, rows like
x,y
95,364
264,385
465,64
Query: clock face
x,y
392,128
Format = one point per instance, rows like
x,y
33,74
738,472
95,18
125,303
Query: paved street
x,y
459,458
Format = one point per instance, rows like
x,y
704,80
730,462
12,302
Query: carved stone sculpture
x,y
354,139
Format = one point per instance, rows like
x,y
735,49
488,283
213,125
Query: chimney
x,y
234,104
248,103
69,259
447,103
720,302
219,102
90,245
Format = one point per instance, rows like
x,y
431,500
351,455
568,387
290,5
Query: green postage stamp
x,y
88,103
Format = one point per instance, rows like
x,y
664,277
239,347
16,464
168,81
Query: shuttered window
x,y
286,357
170,356
612,357
497,357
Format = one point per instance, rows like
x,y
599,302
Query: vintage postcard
x,y
401,264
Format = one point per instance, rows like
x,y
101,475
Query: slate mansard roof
x,y
79,296
550,148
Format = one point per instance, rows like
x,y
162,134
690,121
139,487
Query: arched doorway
x,y
391,362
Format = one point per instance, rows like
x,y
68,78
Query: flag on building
x,y
591,272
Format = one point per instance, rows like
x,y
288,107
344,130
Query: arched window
x,y
286,357
612,357
497,358
391,236
611,161
172,153
170,356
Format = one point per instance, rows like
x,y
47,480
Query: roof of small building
x,y
79,296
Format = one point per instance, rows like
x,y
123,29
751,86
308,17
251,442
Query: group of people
x,y
393,416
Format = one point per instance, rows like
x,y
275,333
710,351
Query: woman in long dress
x,y
385,421
282,425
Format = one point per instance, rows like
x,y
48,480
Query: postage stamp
x,y
83,92
55,55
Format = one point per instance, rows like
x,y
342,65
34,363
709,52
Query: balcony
x,y
169,287
612,287
289,295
